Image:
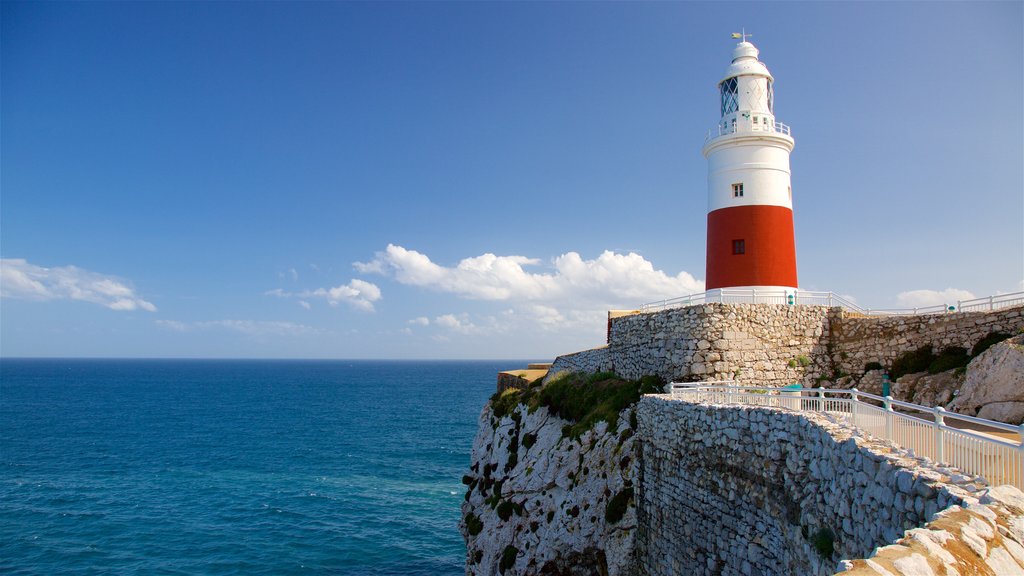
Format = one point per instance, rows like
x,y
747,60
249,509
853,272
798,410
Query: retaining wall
x,y
744,490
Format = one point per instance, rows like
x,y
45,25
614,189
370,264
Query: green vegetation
x,y
949,359
505,510
529,440
508,558
581,399
953,358
824,541
872,366
473,524
911,362
616,508
987,342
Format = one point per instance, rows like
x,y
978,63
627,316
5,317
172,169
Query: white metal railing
x,y
975,446
830,299
746,125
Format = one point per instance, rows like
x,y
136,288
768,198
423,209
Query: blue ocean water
x,y
235,467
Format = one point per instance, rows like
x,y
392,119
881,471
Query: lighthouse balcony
x,y
747,125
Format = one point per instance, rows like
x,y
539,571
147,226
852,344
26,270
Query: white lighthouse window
x,y
729,99
771,98
737,190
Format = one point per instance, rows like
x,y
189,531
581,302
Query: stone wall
x,y
755,344
772,345
744,490
588,361
857,340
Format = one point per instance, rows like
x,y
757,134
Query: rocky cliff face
x,y
994,387
542,502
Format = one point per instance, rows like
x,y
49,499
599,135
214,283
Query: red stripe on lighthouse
x,y
769,248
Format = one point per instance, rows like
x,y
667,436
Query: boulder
x,y
994,387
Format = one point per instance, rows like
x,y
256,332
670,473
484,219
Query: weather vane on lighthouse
x,y
750,240
741,35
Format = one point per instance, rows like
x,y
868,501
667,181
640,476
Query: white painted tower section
x,y
748,145
748,181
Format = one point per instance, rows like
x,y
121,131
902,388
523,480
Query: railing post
x,y
853,407
940,453
821,399
888,417
1020,457
990,302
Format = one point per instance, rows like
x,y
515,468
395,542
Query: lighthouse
x,y
750,199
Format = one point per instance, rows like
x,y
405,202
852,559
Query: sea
x,y
236,467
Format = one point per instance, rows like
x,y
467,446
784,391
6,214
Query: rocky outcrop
x,y
984,536
928,389
541,502
994,386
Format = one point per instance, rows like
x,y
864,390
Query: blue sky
x,y
473,180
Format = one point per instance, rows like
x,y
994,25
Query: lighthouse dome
x,y
745,63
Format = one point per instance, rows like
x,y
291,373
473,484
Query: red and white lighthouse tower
x,y
750,199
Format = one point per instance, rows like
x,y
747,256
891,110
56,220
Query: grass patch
x,y
581,399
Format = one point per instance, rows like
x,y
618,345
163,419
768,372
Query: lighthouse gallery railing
x,y
975,446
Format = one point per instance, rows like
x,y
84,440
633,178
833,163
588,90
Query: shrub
x,y
803,361
503,403
473,524
987,342
616,508
505,510
792,363
824,541
508,558
949,359
911,362
529,440
872,366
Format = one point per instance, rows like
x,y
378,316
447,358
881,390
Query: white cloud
x,y
246,327
421,321
24,281
921,298
359,294
460,323
615,279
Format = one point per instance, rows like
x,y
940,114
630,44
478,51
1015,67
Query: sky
x,y
473,180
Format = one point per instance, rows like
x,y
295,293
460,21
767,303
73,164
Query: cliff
x,y
552,480
582,476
